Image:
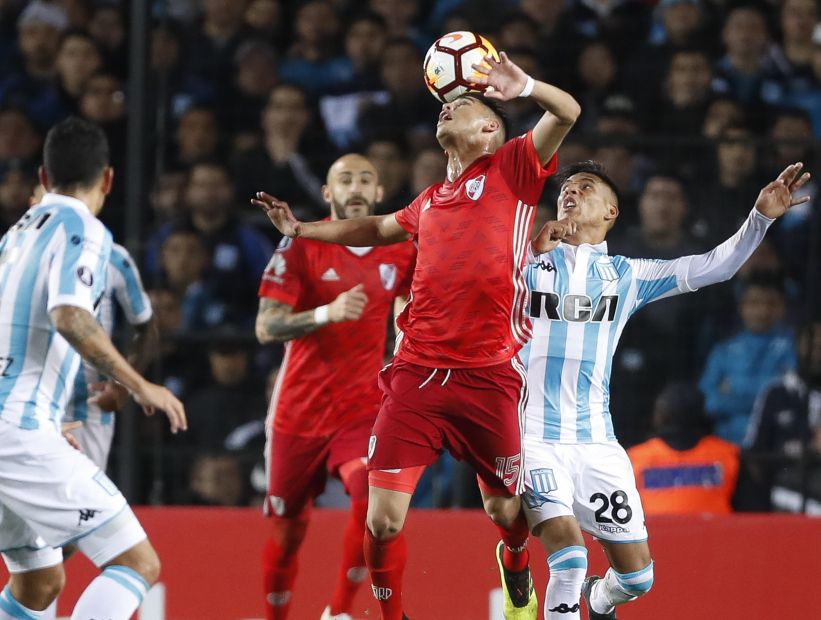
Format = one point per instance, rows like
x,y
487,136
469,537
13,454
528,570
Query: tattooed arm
x,y
85,334
276,321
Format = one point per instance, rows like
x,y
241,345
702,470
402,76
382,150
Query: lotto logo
x,y
382,594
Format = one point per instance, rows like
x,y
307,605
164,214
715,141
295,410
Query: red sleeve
x,y
519,162
408,218
403,290
282,280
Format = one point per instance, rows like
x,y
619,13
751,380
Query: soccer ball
x,y
448,64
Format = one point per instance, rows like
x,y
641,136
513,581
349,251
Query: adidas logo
x,y
331,275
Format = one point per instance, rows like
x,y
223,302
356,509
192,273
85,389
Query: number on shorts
x,y
621,513
5,364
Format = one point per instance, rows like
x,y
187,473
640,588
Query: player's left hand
x,y
71,439
503,79
775,199
108,395
551,234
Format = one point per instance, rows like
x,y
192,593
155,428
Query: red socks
x,y
352,570
515,555
279,565
386,562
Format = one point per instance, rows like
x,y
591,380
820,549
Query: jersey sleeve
x,y
658,279
408,218
128,287
78,263
282,279
519,162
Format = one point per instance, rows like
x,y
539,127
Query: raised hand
x,y
152,397
108,395
551,234
502,78
278,212
775,199
349,306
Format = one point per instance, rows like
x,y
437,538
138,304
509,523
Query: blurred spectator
x,y
727,195
16,187
400,17
806,93
213,42
365,41
197,136
722,112
281,165
77,60
265,19
684,469
313,61
388,157
556,41
794,54
167,196
786,423
617,117
256,75
184,261
217,480
686,94
409,112
517,30
597,75
738,368
238,253
19,139
747,62
230,398
107,26
523,113
428,168
31,86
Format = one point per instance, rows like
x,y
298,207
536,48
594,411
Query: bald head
x,y
352,187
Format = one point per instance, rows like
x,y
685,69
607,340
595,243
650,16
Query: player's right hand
x,y
551,234
349,306
152,397
278,212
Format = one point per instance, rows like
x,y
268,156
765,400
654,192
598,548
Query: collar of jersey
x,y
601,248
61,199
466,172
358,250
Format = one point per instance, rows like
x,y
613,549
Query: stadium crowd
x,y
692,106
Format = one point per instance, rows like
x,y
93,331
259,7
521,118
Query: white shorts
x,y
52,495
593,482
95,439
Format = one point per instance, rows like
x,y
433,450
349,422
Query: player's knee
x,y
503,511
143,560
637,583
38,589
383,526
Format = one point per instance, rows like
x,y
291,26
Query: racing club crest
x,y
387,273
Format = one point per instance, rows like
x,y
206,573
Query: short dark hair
x,y
771,281
589,167
495,107
75,153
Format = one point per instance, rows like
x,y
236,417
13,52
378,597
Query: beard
x,y
341,211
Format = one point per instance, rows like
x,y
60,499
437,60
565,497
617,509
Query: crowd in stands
x,y
692,105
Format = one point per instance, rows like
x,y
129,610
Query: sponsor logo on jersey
x,y
387,273
613,529
381,593
573,308
330,276
546,266
276,268
86,515
606,270
475,187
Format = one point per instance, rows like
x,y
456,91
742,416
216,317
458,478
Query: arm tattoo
x,y
79,327
276,322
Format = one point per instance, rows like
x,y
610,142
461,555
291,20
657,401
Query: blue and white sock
x,y
115,594
568,567
617,588
11,609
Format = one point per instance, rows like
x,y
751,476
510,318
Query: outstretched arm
x,y
505,80
359,232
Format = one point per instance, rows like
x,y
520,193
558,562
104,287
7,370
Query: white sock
x,y
115,594
11,609
616,588
568,567
50,612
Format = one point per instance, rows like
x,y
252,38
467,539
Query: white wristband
x,y
321,315
528,89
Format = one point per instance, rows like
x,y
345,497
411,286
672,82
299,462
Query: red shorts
x,y
297,467
476,413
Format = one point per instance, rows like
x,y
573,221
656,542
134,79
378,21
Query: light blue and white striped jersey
x,y
123,284
581,299
56,255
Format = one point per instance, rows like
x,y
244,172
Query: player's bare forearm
x,y
359,232
144,345
84,333
562,110
277,323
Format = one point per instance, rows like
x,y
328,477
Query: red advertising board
x,y
734,567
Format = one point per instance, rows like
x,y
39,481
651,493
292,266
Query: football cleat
x,y
587,588
521,602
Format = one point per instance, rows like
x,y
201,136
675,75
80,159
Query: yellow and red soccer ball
x,y
448,64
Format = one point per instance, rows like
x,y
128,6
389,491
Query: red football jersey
x,y
328,378
469,297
